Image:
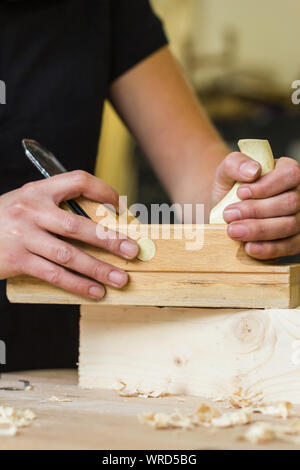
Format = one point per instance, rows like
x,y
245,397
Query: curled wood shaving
x,y
17,418
61,400
164,421
280,410
8,431
210,416
123,391
236,418
204,414
242,399
262,432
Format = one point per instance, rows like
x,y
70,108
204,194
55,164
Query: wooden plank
x,y
250,290
213,251
220,274
211,353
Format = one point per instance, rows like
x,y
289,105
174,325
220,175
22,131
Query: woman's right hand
x,y
30,220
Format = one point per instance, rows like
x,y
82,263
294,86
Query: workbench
x,y
100,419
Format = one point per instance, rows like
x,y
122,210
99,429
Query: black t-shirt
x,y
57,59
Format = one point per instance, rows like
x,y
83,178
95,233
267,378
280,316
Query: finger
x,y
285,176
73,226
47,271
287,203
237,167
62,253
264,229
274,249
80,183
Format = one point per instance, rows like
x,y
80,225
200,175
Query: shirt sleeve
x,y
136,33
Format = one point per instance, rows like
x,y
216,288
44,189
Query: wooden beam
x,y
189,248
218,274
262,290
214,353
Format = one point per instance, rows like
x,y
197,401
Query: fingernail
x,y
97,292
232,214
249,169
129,249
118,278
244,193
238,230
253,248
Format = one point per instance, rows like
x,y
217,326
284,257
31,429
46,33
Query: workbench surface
x,y
103,420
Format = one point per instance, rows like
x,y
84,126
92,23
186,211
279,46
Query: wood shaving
x,y
242,399
280,410
262,432
221,398
205,415
17,418
236,418
123,391
61,400
9,431
209,416
164,421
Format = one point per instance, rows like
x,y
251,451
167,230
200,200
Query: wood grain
x,y
170,289
219,274
216,252
203,352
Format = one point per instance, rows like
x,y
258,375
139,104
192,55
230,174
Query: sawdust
x,y
280,410
262,433
14,419
124,391
235,418
209,416
205,416
202,416
8,431
60,400
242,399
164,421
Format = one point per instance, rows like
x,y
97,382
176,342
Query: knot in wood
x,y
249,332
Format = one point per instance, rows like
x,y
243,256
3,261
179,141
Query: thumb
x,y
235,167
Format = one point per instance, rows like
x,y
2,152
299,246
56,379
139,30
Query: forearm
x,y
171,127
189,158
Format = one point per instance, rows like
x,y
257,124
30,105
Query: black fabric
x,y
57,59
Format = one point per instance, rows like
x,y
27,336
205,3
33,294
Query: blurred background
x,y
241,58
